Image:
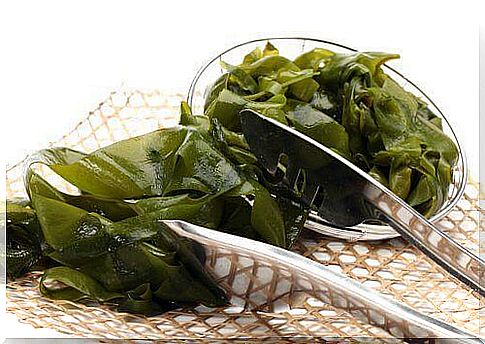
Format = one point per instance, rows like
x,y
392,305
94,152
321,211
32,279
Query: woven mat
x,y
390,267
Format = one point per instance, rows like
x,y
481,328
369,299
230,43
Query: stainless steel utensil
x,y
321,282
344,195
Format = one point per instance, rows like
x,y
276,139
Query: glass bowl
x,y
291,47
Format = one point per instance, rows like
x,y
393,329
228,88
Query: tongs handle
x,y
436,244
331,287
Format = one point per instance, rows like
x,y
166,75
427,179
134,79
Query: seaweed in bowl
x,y
348,103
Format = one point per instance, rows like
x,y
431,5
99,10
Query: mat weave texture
x,y
391,267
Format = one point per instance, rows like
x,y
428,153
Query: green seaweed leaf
x,y
75,286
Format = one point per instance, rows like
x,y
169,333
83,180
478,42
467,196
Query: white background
x,y
59,59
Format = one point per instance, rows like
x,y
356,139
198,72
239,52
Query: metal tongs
x,y
344,195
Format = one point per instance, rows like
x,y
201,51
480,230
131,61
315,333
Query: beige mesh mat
x,y
391,267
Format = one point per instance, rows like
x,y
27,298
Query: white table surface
x,y
65,57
